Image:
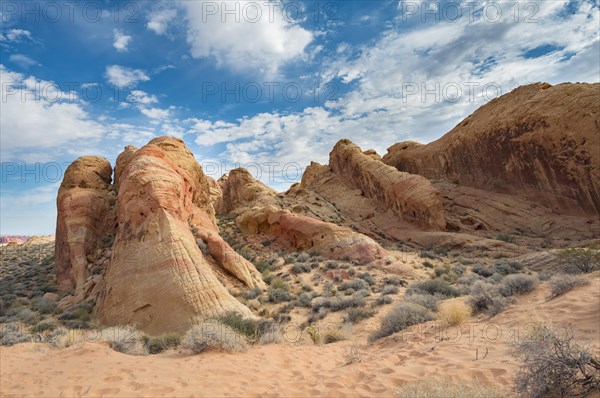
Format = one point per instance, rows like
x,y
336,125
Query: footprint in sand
x,y
113,379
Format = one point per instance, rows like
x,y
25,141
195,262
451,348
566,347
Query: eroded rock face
x,y
157,277
260,211
85,215
354,176
539,141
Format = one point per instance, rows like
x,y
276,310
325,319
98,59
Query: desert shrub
x,y
28,317
506,268
389,289
213,334
355,315
433,287
427,264
333,335
125,339
331,265
279,295
44,306
555,365
365,276
382,301
562,283
245,326
482,270
299,268
505,237
158,344
400,317
394,280
314,334
320,302
304,300
303,257
363,293
272,335
263,266
432,388
427,254
279,283
579,260
454,313
517,284
485,297
341,303
246,254
43,327
252,293
356,284
426,300
12,333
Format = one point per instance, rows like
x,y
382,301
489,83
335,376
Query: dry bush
x,y
213,334
562,283
454,313
553,364
437,389
485,297
125,339
433,287
426,300
579,260
517,284
403,315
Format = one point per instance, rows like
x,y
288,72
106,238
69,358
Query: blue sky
x,y
266,85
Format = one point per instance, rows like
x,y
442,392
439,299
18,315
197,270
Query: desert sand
x,y
93,369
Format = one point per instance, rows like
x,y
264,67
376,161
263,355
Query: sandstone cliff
x,y
539,141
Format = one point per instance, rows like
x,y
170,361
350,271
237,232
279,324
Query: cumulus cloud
x,y
260,40
155,113
159,21
122,76
121,40
18,34
37,114
141,97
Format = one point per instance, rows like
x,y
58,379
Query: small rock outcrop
x,y
538,141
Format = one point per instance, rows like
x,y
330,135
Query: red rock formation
x,y
18,239
539,141
84,204
157,277
259,211
362,178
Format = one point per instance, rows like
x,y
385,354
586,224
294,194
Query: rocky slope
x,y
539,142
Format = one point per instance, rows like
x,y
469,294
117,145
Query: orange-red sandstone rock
x,y
538,141
84,204
157,277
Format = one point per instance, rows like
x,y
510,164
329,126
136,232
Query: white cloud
x,y
257,43
159,21
22,60
36,114
155,113
17,34
121,40
122,76
141,97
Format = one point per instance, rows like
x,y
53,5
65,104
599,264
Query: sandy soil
x,y
93,369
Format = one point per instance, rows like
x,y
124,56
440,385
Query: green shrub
x,y
400,317
505,237
42,327
252,293
245,326
263,266
279,283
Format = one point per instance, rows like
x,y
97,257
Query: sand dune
x,y
478,352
